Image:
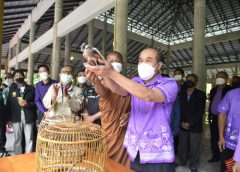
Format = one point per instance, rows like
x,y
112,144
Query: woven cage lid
x,y
71,131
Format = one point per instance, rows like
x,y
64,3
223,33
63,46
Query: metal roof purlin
x,y
36,14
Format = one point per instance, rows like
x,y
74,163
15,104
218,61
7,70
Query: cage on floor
x,y
69,145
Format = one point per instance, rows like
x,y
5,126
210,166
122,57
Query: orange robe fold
x,y
112,108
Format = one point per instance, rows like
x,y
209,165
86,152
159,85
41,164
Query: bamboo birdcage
x,y
65,144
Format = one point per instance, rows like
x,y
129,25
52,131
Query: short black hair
x,y
180,70
81,70
42,65
18,71
224,73
236,78
119,55
194,76
68,67
158,57
165,75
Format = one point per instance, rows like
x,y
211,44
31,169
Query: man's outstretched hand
x,y
101,70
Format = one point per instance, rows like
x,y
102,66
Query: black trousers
x,y
213,119
151,167
40,116
176,143
225,154
3,137
189,143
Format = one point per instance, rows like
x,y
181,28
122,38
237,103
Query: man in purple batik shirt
x,y
229,125
41,89
148,139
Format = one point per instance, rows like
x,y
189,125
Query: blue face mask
x,y
65,78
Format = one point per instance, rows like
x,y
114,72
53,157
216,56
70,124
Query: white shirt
x,y
63,105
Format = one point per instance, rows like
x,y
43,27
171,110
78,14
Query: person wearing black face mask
x,y
192,105
22,113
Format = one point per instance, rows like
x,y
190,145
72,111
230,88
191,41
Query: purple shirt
x,y
149,129
40,91
230,106
237,151
216,101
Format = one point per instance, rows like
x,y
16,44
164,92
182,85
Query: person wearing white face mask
x,y
82,82
178,76
176,112
64,98
41,89
8,80
216,95
114,110
90,112
148,139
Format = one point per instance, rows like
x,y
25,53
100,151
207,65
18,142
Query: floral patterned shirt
x,y
149,131
230,106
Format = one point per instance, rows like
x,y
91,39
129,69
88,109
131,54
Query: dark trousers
x,y
225,155
40,116
3,137
189,143
151,167
176,141
213,119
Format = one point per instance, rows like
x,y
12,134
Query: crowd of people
x,y
149,120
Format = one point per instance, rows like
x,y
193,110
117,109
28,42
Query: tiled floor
x,y
205,153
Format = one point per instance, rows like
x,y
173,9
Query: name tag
x,y
14,94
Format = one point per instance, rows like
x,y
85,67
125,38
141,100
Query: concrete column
x,y
18,50
169,53
236,69
1,30
31,55
120,28
91,33
56,50
152,41
199,66
104,37
67,49
5,65
9,57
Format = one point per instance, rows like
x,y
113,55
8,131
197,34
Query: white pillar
x,y
31,55
18,50
199,66
1,30
91,33
67,50
120,28
56,51
104,36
